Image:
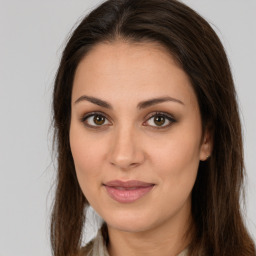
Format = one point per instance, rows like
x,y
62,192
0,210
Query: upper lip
x,y
127,184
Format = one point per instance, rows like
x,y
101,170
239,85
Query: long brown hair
x,y
216,212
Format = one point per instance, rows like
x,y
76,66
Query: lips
x,y
127,191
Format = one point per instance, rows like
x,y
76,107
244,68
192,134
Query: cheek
x,y
86,150
88,158
176,163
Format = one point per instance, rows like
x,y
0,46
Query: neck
x,y
168,239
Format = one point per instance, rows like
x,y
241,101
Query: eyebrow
x,y
94,100
141,105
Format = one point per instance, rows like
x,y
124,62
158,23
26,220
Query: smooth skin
x,y
128,140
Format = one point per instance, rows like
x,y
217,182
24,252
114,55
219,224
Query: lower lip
x,y
127,195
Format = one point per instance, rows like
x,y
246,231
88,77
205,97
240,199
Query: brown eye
x,y
94,120
160,120
99,120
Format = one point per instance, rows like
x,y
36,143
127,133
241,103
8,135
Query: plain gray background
x,y
32,36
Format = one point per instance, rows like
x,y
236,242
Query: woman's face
x,y
136,135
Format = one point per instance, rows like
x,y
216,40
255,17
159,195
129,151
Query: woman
x,y
148,134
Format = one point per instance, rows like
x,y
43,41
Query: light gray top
x,y
97,247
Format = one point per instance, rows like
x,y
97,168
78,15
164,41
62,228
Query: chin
x,y
131,222
130,227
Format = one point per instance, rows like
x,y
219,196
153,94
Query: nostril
x,y
125,154
125,164
134,164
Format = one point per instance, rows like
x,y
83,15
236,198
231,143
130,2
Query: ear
x,y
206,145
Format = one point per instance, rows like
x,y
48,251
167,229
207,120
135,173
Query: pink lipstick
x,y
127,191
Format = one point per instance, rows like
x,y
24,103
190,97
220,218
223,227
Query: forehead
x,y
137,70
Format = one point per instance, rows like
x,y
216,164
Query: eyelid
x,y
169,117
84,117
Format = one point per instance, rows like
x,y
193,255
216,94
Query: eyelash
x,y
154,114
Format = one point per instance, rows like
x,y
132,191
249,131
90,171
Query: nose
x,y
126,150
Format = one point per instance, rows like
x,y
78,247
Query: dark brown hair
x,y
216,212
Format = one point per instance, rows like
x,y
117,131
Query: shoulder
x,y
86,250
97,246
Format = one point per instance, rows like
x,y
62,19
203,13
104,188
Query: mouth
x,y
127,191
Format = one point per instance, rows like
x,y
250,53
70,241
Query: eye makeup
x,y
160,118
155,120
98,118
